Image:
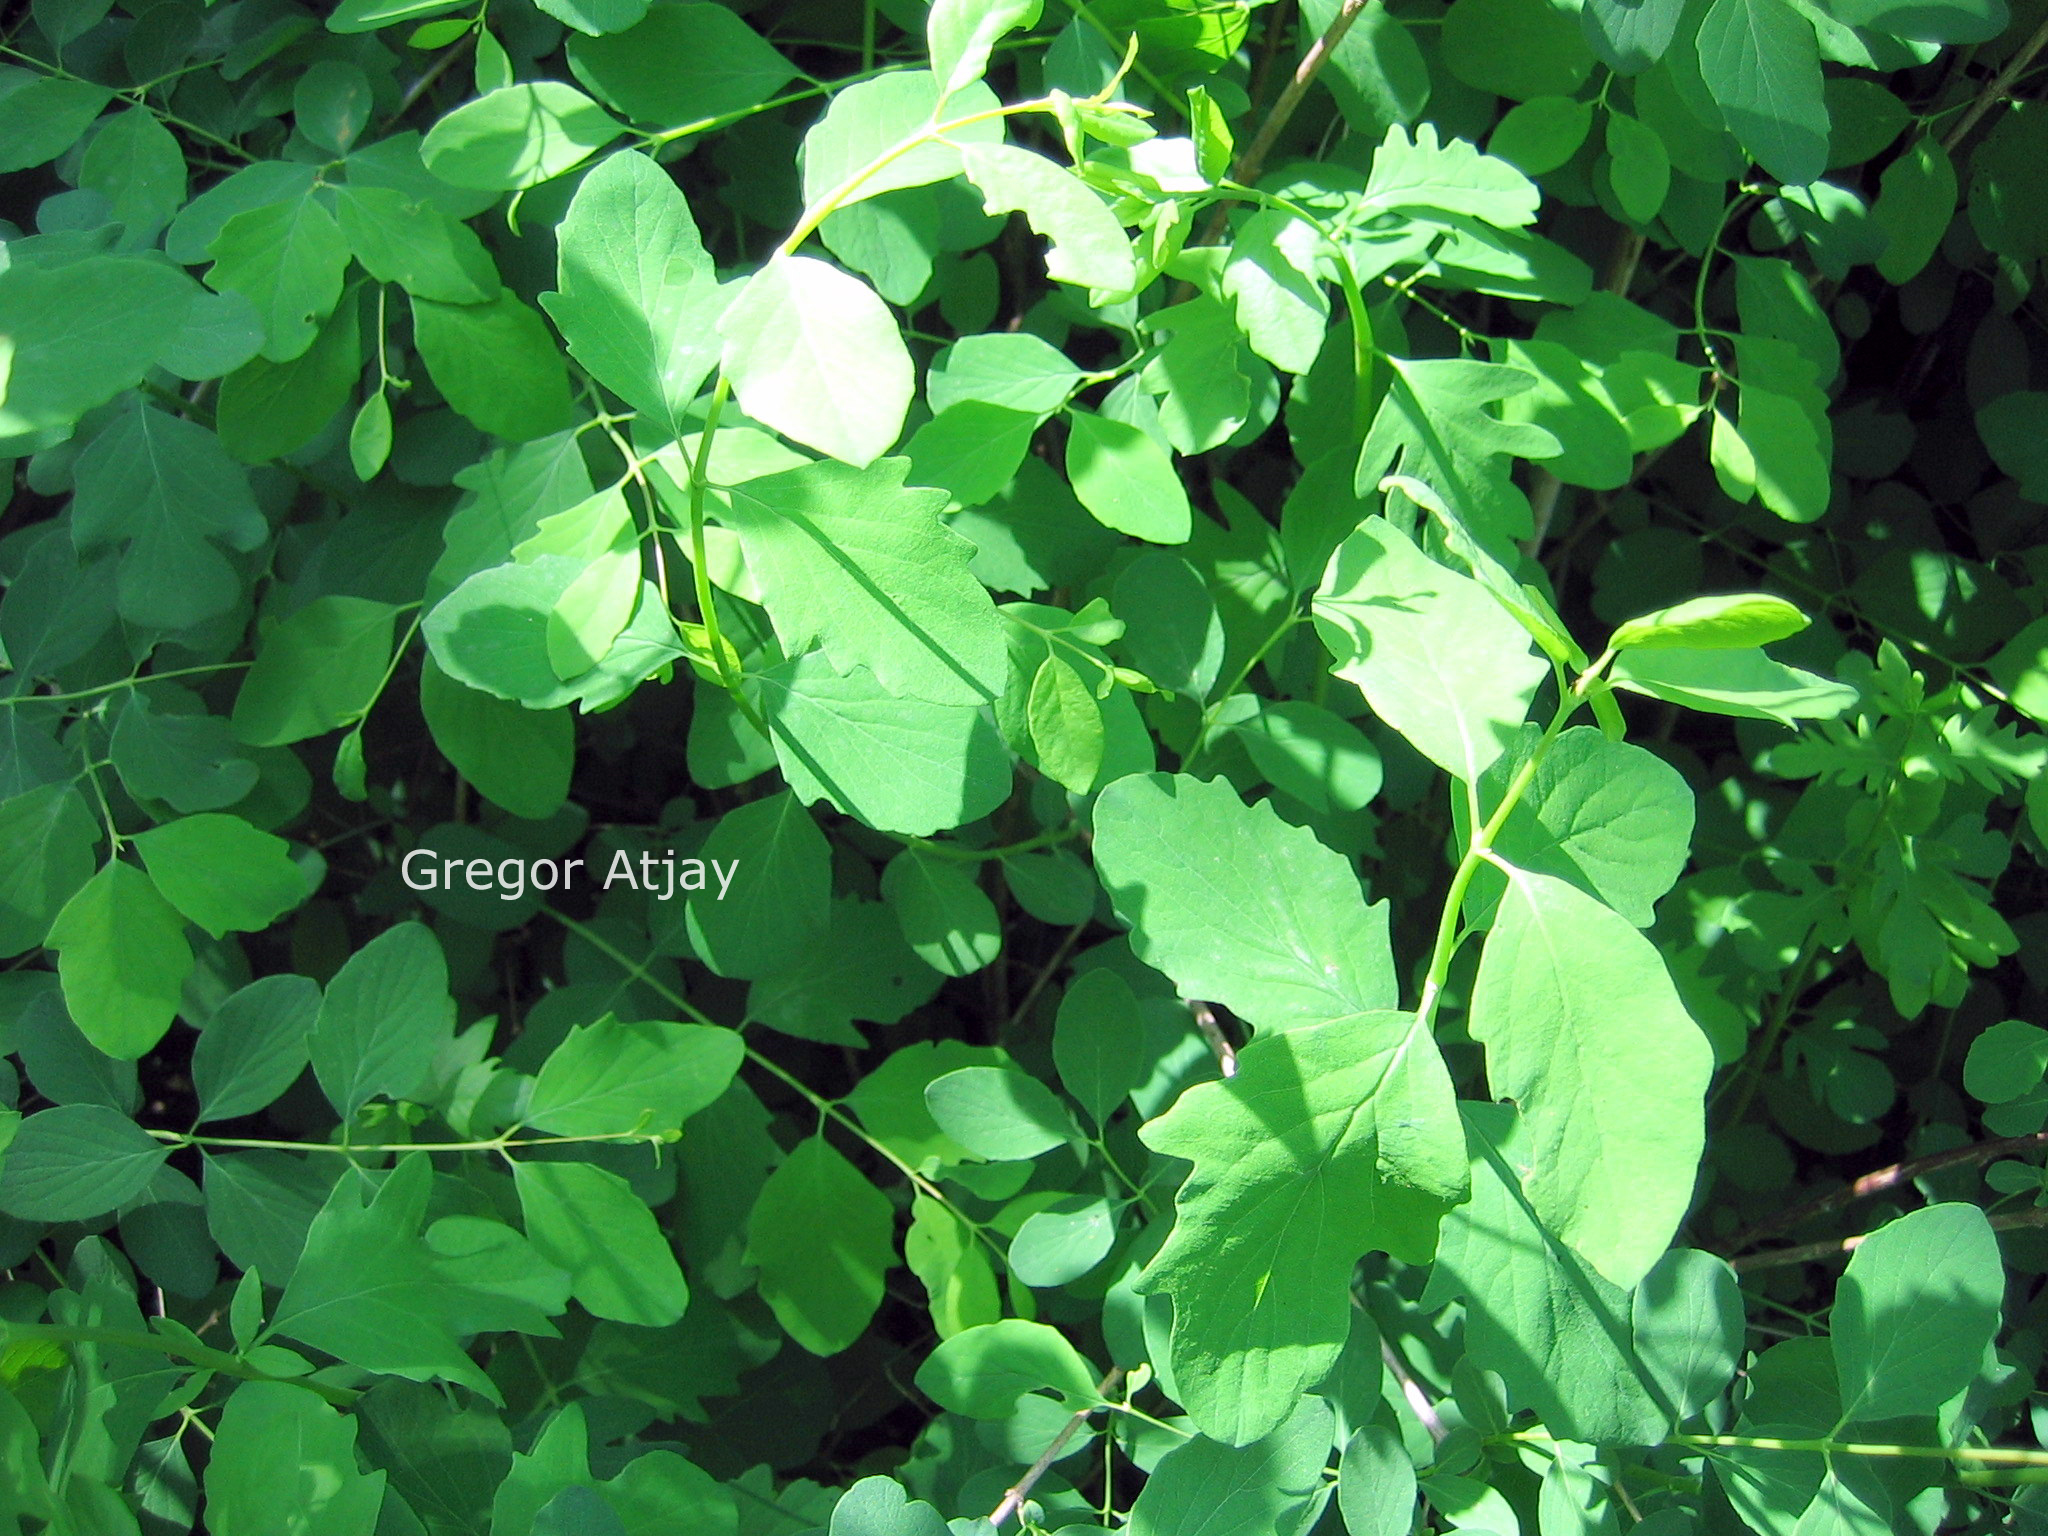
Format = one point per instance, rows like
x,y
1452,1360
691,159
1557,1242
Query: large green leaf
x,y
519,758
590,1222
637,298
165,490
47,838
284,1462
779,903
1331,1140
683,64
286,257
609,1078
76,1162
1915,1312
1584,1030
1238,907
221,873
856,562
1760,60
122,955
83,332
385,1017
1088,245
1275,1484
496,364
1436,656
517,136
822,1237
317,669
254,1047
845,151
816,355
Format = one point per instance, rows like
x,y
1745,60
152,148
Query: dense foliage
x,y
1187,766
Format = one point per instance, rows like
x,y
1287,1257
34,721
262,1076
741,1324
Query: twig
x,y
2000,84
1015,1496
1778,1258
1882,1179
1411,1390
1219,1043
1251,160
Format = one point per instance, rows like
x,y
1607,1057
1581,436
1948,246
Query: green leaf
x,y
1584,1031
2006,1061
402,240
496,364
946,917
822,1238
960,33
1066,725
221,873
1126,479
1916,199
982,1372
1433,424
1088,244
369,437
609,1078
812,352
1541,134
1434,654
283,1463
777,909
873,119
76,1162
1013,369
902,765
638,298
1735,622
1238,907
1739,682
1060,1244
371,1290
595,18
270,410
47,837
41,116
1376,1484
970,450
1639,168
286,258
136,163
123,960
1274,281
1098,1042
1610,818
1631,35
386,1016
1688,1327
1274,1483
318,669
517,136
591,1223
254,1047
1516,48
1331,1140
518,758
861,970
369,15
2012,429
1928,21
1761,64
1322,760
853,561
998,1113
1915,1312
1172,631
683,64
1555,1329
83,332
163,489
187,760
877,1506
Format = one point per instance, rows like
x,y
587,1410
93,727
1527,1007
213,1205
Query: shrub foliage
x,y
1189,766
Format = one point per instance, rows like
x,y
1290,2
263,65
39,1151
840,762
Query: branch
x,y
2001,82
1015,1496
1886,1178
1219,1043
1778,1258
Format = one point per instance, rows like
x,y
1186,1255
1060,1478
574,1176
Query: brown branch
x,y
1251,160
1219,1043
1808,1253
1882,1179
2001,82
1411,1391
1015,1495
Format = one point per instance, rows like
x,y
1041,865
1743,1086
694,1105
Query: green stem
x,y
492,1144
1480,848
196,1354
1982,1455
981,855
1288,621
